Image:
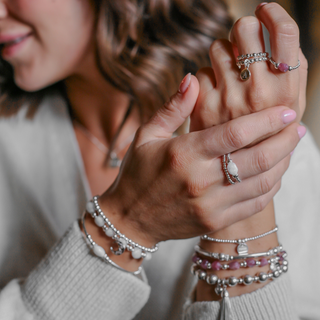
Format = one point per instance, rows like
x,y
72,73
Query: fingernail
x,y
261,5
291,153
301,131
185,83
288,116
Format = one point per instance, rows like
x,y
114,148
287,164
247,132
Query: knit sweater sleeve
x,y
274,301
70,283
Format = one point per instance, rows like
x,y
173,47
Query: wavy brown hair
x,y
143,47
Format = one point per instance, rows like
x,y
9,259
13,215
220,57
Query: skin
x,y
191,202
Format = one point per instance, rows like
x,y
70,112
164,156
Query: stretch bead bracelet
x,y
213,279
100,252
242,247
235,265
137,251
227,257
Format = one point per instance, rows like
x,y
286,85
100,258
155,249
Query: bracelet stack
x,y
123,243
202,267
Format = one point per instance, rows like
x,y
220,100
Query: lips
x,y
8,40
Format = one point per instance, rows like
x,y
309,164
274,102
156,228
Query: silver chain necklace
x,y
242,247
114,161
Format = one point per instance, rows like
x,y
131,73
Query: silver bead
x,y
276,274
225,266
275,250
256,279
244,263
258,263
284,268
247,280
263,277
211,279
232,281
285,262
240,281
222,257
201,275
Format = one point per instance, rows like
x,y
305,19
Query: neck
x,y
97,105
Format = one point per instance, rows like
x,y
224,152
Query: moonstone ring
x,y
230,168
283,67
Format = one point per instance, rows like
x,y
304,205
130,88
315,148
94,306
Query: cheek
x,y
62,39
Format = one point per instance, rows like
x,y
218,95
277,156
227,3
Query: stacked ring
x,y
283,67
230,168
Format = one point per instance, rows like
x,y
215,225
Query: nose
x,y
3,10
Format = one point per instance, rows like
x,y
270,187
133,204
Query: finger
x,y
247,36
284,33
265,155
223,62
246,209
173,114
303,71
238,133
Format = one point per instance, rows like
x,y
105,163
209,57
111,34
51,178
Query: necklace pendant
x,y
114,161
242,249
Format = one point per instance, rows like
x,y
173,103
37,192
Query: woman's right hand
x,y
172,188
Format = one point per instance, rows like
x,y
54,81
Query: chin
x,y
32,84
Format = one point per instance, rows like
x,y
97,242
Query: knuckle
x,y
247,25
257,96
265,184
263,161
176,158
234,136
260,203
287,28
272,122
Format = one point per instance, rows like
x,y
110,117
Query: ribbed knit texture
x,y
70,283
272,302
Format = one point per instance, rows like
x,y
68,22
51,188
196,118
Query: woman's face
x,y
45,40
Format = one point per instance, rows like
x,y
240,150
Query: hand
x,y
223,96
170,188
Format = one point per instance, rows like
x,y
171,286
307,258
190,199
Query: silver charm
x,y
242,249
245,74
114,161
121,247
225,308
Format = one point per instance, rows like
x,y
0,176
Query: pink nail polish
x,y
288,116
184,85
261,5
301,131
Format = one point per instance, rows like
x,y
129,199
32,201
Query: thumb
x,y
174,112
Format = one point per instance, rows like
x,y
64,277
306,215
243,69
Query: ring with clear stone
x,y
230,168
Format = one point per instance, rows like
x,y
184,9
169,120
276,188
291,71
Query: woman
x,y
163,190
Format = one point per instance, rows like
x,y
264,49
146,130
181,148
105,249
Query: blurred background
x,y
307,15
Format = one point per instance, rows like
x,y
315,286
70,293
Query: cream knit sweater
x,y
48,272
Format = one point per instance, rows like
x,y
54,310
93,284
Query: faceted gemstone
x,y
234,265
263,262
216,265
283,67
251,263
245,74
204,264
232,168
195,259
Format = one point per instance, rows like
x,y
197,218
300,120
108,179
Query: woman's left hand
x,y
224,96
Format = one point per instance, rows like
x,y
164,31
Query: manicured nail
x,y
185,83
261,5
288,116
291,153
301,131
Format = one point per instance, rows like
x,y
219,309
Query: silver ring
x,y
283,67
247,59
230,169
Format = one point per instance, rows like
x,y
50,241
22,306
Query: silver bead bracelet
x,y
123,243
227,257
242,247
100,252
213,279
